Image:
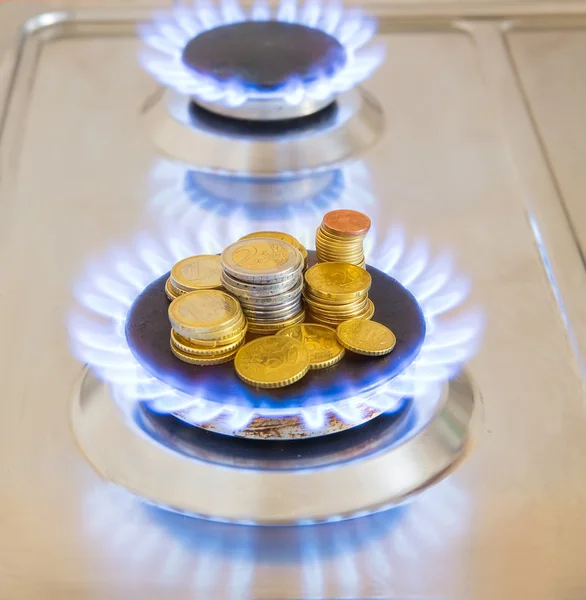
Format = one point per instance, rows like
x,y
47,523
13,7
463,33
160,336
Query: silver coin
x,y
269,290
285,313
285,283
261,260
279,299
272,308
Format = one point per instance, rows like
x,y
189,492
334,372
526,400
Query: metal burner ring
x,y
380,478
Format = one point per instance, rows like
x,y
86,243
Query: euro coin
x,y
346,222
340,236
366,337
195,348
278,235
337,281
216,341
261,260
320,340
203,361
272,362
200,272
170,292
203,311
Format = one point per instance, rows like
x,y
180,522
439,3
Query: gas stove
x,y
220,120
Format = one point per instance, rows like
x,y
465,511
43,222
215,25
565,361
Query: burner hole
x,y
206,119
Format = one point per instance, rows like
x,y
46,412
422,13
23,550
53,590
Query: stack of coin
x,y
284,237
336,292
266,275
200,272
208,327
340,235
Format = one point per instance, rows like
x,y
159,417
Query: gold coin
x,y
337,280
366,337
203,361
193,347
200,272
221,341
169,291
221,335
261,260
203,311
320,340
278,235
272,362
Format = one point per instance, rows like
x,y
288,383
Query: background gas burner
x,y
262,66
240,205
263,95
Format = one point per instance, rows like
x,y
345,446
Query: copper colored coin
x,y
346,222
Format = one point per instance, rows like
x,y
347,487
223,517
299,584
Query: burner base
x,y
210,143
382,466
266,109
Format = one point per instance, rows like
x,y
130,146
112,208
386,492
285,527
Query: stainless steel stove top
x,y
480,153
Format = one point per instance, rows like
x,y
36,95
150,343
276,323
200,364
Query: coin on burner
x,y
320,340
203,361
261,260
366,337
170,291
346,223
272,362
204,311
200,272
337,280
278,235
194,347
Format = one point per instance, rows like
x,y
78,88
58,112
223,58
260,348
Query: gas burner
x,y
276,411
201,474
263,67
111,287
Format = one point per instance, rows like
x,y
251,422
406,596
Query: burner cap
x,y
264,55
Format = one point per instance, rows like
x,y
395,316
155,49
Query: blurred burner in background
x,y
266,57
263,67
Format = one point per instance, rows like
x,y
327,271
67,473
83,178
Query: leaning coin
x,y
272,362
320,340
366,337
201,272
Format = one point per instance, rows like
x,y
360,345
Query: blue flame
x,y
386,548
169,33
108,288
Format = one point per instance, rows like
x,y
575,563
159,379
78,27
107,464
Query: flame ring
x,y
108,289
170,32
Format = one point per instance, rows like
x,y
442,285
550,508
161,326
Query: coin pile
x,y
266,275
208,327
200,272
336,292
284,237
339,237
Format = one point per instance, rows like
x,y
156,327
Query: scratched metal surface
x,y
483,152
